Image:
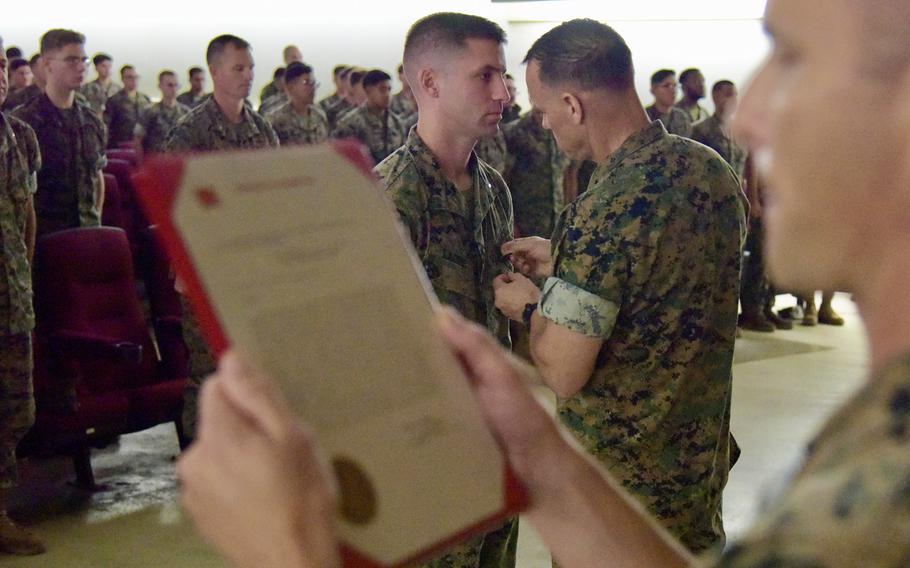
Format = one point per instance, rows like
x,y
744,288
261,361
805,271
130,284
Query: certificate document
x,y
296,257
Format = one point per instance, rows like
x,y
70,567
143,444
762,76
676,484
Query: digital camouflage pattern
x,y
711,133
850,503
458,236
156,122
21,97
96,94
20,159
535,175
697,113
676,121
269,90
336,111
122,113
492,150
295,128
273,102
191,100
207,129
403,105
648,259
328,102
72,143
381,133
17,401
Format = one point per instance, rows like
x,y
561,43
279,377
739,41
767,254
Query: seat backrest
x,y
84,284
158,276
112,213
126,154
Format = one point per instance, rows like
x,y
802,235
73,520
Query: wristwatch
x,y
527,313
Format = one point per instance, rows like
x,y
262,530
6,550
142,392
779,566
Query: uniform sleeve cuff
x,y
577,309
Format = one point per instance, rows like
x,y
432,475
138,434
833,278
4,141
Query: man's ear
x,y
575,107
428,81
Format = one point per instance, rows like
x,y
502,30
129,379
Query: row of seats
x,y
109,351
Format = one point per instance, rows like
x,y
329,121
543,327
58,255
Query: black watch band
x,y
527,313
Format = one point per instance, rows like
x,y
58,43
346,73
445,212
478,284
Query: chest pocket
x,y
447,254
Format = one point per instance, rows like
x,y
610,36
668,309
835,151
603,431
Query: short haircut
x,y
356,76
57,39
100,58
13,52
194,71
449,31
374,77
721,84
217,46
288,49
166,73
33,60
279,73
586,54
339,69
691,72
126,68
660,76
17,63
295,70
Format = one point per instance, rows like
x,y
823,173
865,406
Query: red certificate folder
x,y
296,256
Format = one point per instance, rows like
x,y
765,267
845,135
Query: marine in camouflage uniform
x,y
97,94
676,121
848,505
712,133
293,127
20,159
458,236
492,150
72,143
328,102
648,259
207,129
155,123
381,133
121,114
535,175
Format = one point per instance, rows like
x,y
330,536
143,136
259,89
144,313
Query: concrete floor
x,y
785,385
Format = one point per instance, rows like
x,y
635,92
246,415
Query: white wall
x,y
722,37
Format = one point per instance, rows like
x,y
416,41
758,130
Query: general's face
x,y
556,115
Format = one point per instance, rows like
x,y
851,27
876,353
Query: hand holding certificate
x,y
294,257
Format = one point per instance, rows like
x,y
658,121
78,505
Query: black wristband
x,y
527,313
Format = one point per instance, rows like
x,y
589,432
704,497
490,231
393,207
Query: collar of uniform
x,y
220,120
443,193
644,137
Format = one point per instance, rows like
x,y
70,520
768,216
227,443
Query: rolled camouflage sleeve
x,y
577,309
590,276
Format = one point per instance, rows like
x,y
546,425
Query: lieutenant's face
x,y
472,88
232,72
825,140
